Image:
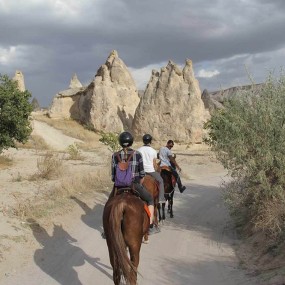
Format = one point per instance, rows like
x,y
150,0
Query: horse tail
x,y
121,258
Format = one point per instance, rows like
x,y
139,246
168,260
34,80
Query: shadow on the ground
x,y
91,217
201,208
58,255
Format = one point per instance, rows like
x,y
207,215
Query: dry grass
x,y
5,161
35,142
271,217
49,166
57,200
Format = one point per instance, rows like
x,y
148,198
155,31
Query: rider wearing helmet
x,y
126,140
149,156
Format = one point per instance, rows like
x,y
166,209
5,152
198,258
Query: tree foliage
x,y
15,110
111,140
248,137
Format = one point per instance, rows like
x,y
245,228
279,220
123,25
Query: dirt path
x,y
195,247
54,138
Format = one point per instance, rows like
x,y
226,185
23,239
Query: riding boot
x,y
180,186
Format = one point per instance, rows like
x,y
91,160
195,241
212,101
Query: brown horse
x,y
152,187
169,188
125,222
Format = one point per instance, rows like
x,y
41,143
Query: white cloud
x,y
7,55
207,73
142,75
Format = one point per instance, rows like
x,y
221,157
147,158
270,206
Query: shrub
x,y
111,140
74,152
49,166
248,137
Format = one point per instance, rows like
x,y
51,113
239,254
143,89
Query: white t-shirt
x,y
148,155
164,154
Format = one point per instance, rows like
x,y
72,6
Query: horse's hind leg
x,y
135,259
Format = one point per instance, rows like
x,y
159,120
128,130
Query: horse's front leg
x,y
159,212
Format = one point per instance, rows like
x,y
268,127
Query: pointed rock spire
x,y
19,78
74,82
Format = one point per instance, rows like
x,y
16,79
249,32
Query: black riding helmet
x,y
147,138
126,139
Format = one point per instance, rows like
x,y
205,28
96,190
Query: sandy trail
x,y
54,138
195,247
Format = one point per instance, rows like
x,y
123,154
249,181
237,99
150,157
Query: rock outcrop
x,y
171,107
112,96
215,100
66,104
74,82
108,103
19,78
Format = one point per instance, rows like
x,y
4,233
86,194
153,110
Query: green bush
x,y
15,110
111,140
248,137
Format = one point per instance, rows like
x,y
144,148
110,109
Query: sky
x,y
231,43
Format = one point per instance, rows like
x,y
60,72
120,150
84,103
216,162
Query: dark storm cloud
x,y
55,39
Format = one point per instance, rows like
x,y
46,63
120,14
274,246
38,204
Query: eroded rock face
x,y
108,102
171,107
74,82
65,104
113,98
19,78
216,99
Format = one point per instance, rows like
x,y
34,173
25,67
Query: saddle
x,y
168,169
120,190
130,190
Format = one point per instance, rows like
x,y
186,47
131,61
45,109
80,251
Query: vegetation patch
x,y
49,166
248,138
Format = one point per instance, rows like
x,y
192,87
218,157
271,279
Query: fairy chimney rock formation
x,y
113,96
65,104
19,78
171,107
74,82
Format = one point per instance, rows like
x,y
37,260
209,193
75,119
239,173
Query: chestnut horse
x,y
169,188
125,222
152,187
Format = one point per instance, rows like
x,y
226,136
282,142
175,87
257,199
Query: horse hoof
x,y
145,241
171,216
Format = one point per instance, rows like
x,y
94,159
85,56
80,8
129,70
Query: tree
x,y
248,137
15,110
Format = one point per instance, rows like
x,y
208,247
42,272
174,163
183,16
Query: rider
x,y
126,140
149,156
166,159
